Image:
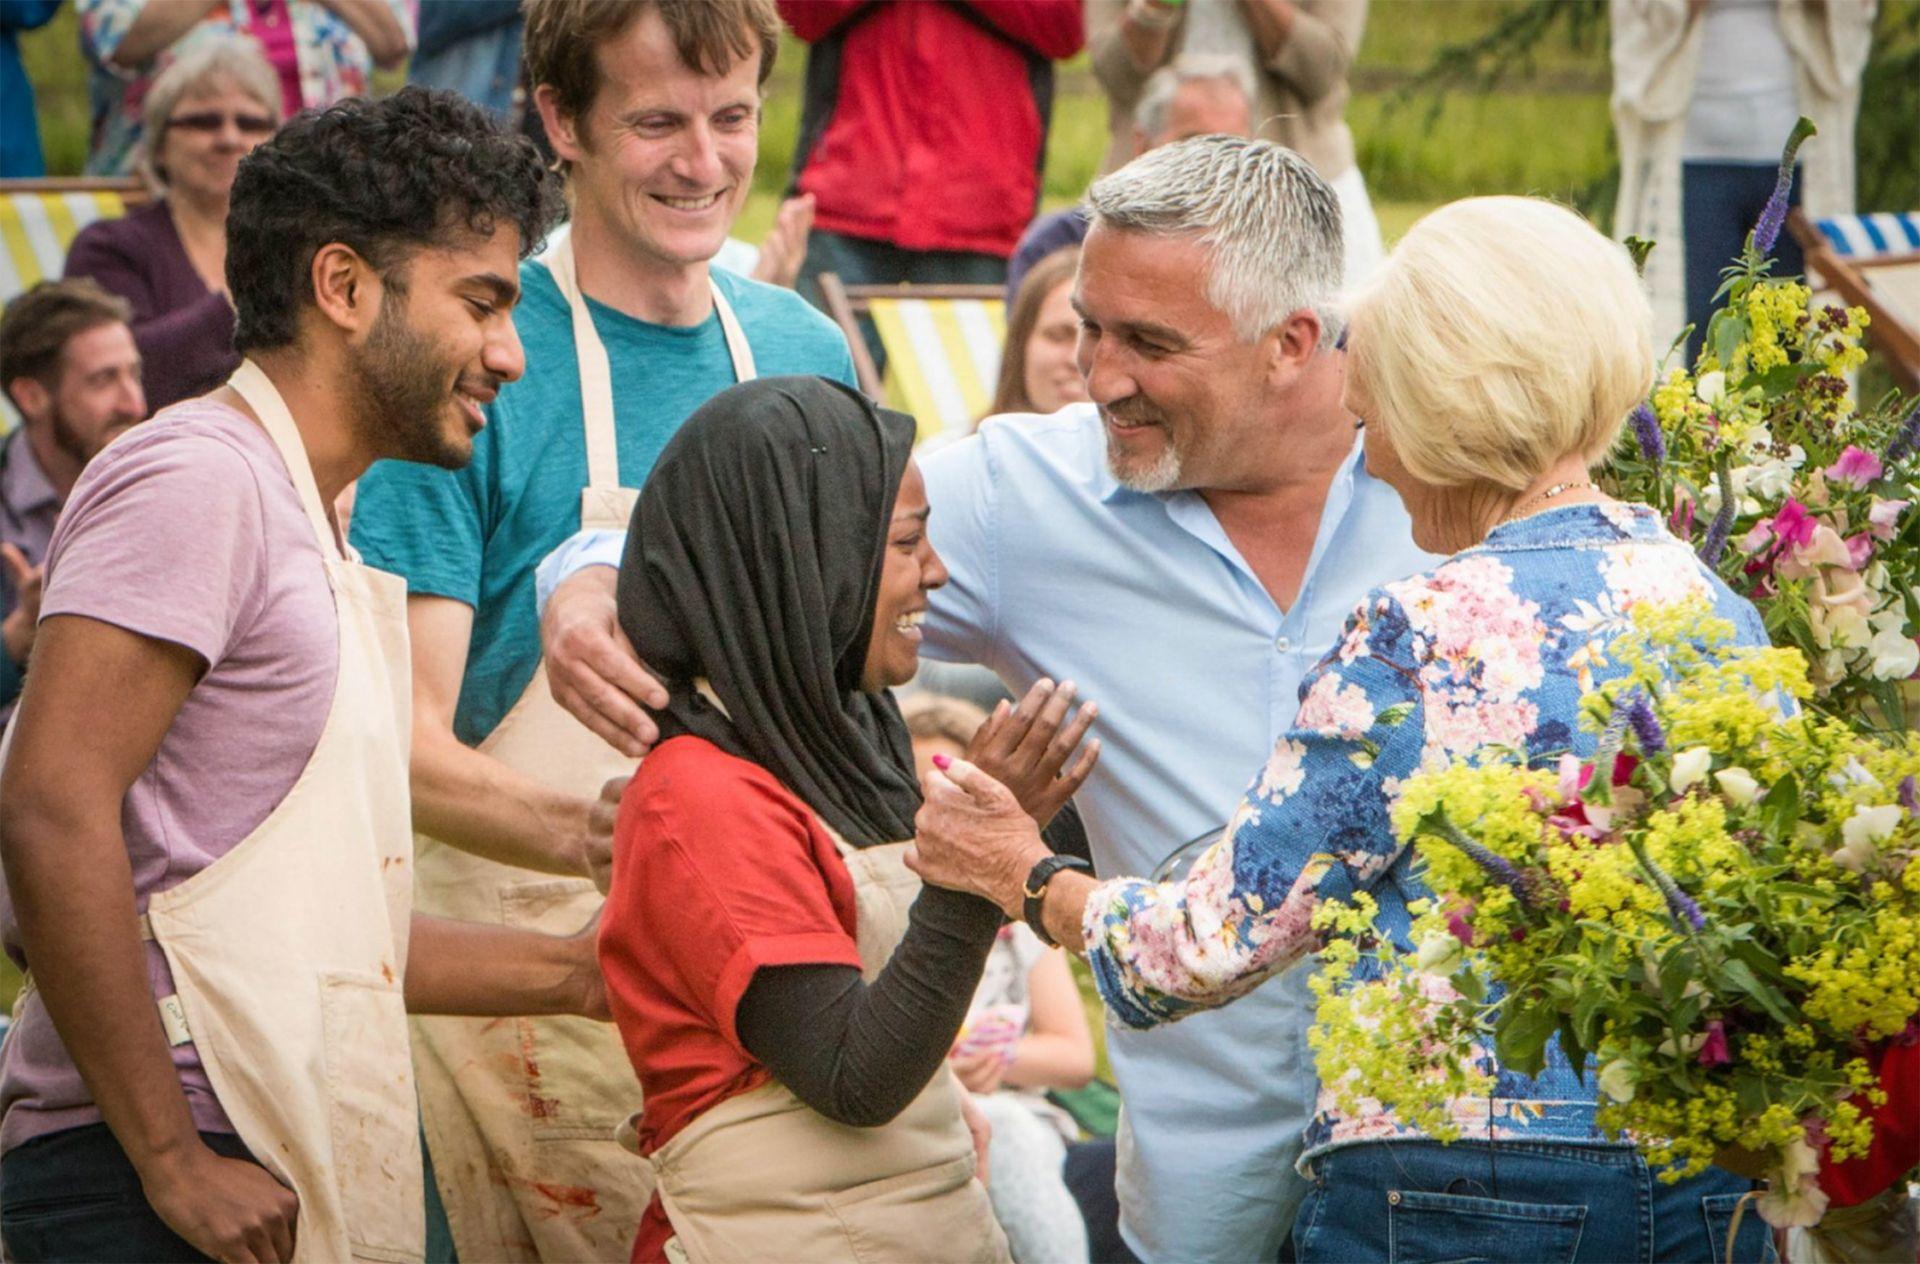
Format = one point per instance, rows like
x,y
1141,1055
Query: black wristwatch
x,y
1036,891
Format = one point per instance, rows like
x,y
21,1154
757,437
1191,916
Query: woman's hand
x,y
972,835
980,1072
1025,748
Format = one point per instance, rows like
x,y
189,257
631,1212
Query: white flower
x,y
1711,388
1793,1199
1441,954
1689,1044
1689,766
1738,785
1797,1206
1616,1080
1771,478
1861,832
1896,655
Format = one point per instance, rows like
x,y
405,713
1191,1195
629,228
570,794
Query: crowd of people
x,y
455,803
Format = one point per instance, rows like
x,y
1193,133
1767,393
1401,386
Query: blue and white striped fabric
x,y
1871,236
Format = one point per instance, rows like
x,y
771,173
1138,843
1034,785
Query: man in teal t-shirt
x,y
659,151
476,535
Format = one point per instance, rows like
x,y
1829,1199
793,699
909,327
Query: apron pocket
x,y
894,1218
579,1084
373,1116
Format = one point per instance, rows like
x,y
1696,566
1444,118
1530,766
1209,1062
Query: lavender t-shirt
x,y
187,530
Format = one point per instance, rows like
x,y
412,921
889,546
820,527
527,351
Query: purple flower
x,y
1907,439
1714,1051
1857,468
1681,904
1646,726
1722,525
1497,866
1774,214
1646,432
1909,799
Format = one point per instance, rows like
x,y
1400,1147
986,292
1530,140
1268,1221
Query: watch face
x,y
1181,860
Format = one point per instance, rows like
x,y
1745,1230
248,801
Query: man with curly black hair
x,y
210,755
653,107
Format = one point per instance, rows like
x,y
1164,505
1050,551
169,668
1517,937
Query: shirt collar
x,y
24,486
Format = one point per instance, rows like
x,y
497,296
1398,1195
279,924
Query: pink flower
x,y
1793,525
1681,520
1714,1051
1461,928
1755,540
1857,467
1883,517
1859,550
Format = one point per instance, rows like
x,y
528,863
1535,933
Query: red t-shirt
x,y
718,869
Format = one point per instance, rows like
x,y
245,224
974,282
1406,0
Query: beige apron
x,y
288,952
764,1177
520,1112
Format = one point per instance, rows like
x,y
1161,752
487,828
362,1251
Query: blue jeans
x,y
1719,204
1419,1202
74,1195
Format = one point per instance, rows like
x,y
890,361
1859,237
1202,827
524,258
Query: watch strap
x,y
1035,891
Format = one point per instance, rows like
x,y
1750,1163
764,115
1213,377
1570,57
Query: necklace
x,y
1558,489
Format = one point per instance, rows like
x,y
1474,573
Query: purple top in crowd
x,y
184,330
187,530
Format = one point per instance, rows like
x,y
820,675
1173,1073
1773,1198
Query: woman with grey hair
x,y
206,112
1492,359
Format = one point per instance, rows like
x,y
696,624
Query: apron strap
x,y
251,383
596,373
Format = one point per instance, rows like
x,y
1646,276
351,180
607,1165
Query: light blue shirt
x,y
1142,601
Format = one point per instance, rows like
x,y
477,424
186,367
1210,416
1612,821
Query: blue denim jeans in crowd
x,y
1419,1202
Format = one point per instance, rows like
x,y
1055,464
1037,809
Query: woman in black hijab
x,y
786,991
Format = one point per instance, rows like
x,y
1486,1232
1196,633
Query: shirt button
x,y
1282,644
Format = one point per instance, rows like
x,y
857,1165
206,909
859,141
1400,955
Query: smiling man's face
x,y
665,154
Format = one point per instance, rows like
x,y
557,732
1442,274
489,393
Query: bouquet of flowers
x,y
1721,910
1803,499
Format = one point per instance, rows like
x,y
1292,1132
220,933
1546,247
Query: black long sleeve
x,y
857,1052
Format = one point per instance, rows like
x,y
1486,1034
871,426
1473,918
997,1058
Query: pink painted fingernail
x,y
943,762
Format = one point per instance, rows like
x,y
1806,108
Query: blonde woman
x,y
1492,359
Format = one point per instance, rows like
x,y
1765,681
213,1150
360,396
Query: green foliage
x,y
1724,954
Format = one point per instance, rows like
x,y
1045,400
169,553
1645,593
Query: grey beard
x,y
1161,476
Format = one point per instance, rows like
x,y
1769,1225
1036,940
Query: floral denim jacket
x,y
1496,646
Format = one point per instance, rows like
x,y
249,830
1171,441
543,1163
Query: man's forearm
x,y
470,968
72,889
472,801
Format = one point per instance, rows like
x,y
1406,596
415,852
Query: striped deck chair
x,y
943,346
1872,261
38,221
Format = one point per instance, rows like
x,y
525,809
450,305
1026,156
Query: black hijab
x,y
753,560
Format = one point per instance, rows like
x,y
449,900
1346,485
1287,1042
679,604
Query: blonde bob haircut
x,y
1502,335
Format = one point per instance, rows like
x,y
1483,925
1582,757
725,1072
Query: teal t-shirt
x,y
477,534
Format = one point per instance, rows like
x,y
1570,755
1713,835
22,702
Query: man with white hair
x,y
1184,547
1197,94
